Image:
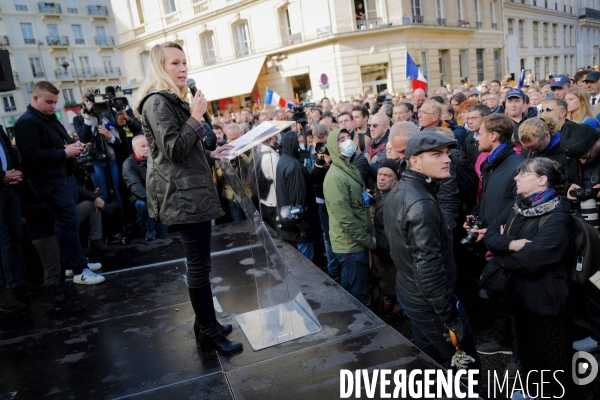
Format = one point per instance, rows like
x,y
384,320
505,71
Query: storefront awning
x,y
231,80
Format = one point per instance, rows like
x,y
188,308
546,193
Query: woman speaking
x,y
180,189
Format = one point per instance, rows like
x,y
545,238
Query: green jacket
x,y
350,227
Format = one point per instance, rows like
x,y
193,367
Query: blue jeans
x,y
235,211
428,330
355,274
142,209
10,239
333,265
99,180
61,200
307,249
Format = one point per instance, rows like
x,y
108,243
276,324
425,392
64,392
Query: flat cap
x,y
427,141
577,139
593,76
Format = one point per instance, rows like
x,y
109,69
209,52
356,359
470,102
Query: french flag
x,y
521,79
413,73
274,99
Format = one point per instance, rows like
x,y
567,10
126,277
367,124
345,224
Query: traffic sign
x,y
324,79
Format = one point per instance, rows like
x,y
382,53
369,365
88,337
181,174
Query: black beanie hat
x,y
577,139
393,165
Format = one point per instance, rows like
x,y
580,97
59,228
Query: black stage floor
x,y
132,336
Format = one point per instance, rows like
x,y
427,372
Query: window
x,y
459,10
420,58
463,58
170,6
494,24
78,34
36,67
555,65
480,66
536,68
27,32
545,34
478,12
521,34
84,63
107,64
439,9
416,7
241,34
209,54
53,32
547,66
284,23
497,64
137,12
68,95
554,36
72,6
101,34
510,27
374,77
536,39
58,61
570,36
564,36
144,60
9,103
21,5
522,63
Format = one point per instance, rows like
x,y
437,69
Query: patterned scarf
x,y
538,203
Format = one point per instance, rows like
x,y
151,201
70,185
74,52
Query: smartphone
x,y
549,95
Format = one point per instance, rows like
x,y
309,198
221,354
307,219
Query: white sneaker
x,y
87,277
91,266
588,344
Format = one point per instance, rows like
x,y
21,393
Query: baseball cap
x,y
515,93
559,81
593,76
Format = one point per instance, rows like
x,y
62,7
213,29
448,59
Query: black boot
x,y
225,329
208,333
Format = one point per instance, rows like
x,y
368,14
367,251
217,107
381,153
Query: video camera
x,y
381,100
113,97
299,115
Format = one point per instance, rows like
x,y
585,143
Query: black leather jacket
x,y
421,246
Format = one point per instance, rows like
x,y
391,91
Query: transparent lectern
x,y
282,313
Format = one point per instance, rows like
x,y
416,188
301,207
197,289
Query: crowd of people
x,y
426,198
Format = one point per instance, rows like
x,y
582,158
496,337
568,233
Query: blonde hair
x,y
536,128
156,77
584,105
443,131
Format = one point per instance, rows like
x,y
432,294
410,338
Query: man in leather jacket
x,y
422,250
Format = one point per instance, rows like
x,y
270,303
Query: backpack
x,y
258,182
586,242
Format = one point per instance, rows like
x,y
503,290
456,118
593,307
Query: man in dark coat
x,y
293,186
134,175
421,248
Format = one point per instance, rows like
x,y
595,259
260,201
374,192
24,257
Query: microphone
x,y
191,83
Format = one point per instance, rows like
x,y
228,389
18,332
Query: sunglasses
x,y
547,109
374,126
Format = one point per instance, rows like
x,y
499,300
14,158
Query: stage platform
x,y
132,337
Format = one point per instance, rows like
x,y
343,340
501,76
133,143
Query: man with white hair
x,y
441,91
430,115
399,135
134,175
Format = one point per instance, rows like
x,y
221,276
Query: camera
x,y
381,100
582,194
113,97
299,115
321,148
471,238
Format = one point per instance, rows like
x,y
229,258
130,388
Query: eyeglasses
x,y
547,109
523,174
472,118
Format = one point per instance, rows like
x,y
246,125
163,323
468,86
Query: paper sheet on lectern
x,y
257,135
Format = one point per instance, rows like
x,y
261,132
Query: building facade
x,y
541,36
70,43
238,48
588,40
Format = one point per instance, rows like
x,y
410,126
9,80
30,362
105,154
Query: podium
x,y
282,313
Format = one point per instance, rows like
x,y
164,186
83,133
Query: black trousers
x,y
196,244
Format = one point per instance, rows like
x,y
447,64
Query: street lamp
x,y
66,64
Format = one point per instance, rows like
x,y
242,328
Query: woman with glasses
x,y
578,107
531,242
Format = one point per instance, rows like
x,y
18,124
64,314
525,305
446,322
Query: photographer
x,y
101,131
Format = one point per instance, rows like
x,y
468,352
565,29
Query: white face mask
x,y
302,147
348,148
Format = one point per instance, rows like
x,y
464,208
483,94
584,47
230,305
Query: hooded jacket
x,y
350,226
293,186
179,184
421,246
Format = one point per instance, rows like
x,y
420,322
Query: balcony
x,y
72,10
108,72
79,41
479,25
4,41
10,108
417,19
94,73
243,52
589,13
463,24
39,74
441,21
210,61
20,7
202,7
49,8
62,74
292,39
29,41
98,11
172,19
57,41
139,30
373,23
104,41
